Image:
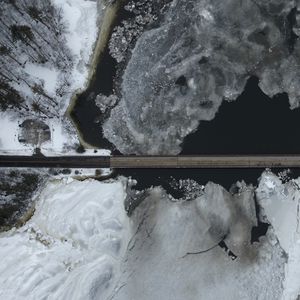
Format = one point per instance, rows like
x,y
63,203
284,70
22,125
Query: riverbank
x,y
106,20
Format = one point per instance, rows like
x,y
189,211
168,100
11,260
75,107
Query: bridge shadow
x,y
253,124
164,177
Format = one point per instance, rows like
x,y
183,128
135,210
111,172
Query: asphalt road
x,y
134,162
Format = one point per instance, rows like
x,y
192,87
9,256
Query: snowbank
x,y
71,248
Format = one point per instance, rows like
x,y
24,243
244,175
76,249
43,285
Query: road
x,y
132,162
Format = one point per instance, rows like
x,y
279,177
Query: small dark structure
x,y
34,132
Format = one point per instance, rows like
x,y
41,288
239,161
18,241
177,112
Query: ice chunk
x,y
280,202
202,52
159,263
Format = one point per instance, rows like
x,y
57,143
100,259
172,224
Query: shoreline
x,y
106,22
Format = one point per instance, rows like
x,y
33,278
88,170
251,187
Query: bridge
x,y
135,162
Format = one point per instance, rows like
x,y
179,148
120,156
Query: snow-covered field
x,y
71,248
80,244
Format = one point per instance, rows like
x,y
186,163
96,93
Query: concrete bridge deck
x,y
135,162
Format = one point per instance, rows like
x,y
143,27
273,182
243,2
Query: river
x,y
252,124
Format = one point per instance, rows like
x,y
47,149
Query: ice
x,y
280,202
280,205
160,262
104,102
201,52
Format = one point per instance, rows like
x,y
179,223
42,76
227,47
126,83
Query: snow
x,y
80,244
82,30
72,246
9,137
48,76
80,18
280,202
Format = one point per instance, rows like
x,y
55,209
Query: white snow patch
x,y
47,75
81,17
72,246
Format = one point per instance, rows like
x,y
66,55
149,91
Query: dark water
x,y
153,177
225,177
253,124
85,114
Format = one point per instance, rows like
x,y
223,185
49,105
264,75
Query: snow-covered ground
x,y
80,244
63,140
80,19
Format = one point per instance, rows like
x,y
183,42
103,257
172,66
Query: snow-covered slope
x,y
71,248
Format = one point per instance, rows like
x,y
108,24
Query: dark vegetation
x,y
31,31
16,191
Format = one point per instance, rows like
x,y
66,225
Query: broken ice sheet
x,y
164,232
280,203
105,102
202,52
